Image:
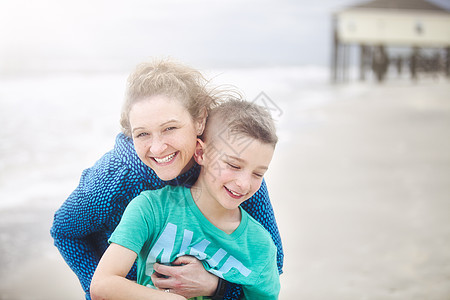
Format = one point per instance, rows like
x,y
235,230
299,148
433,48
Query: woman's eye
x,y
258,175
168,129
142,134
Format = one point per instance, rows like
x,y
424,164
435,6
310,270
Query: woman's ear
x,y
201,122
199,152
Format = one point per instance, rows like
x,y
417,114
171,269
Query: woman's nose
x,y
158,146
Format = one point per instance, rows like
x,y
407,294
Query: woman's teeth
x,y
165,159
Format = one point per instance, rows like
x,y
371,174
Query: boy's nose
x,y
244,183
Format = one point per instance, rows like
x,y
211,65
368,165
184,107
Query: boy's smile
x,y
234,194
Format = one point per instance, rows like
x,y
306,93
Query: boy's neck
x,y
225,219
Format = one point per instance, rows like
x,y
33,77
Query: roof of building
x,y
401,4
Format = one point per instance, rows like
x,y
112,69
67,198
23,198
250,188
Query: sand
x,y
361,191
362,196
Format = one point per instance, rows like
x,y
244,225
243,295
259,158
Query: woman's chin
x,y
166,175
172,170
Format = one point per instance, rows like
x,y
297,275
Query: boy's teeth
x,y
165,159
236,194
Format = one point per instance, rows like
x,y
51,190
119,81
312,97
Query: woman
x,y
158,151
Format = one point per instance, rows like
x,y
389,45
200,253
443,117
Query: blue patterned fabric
x,y
85,221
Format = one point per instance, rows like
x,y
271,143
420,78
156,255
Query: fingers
x,y
184,260
163,282
169,271
186,277
169,277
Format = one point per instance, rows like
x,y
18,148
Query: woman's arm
x,y
109,280
260,208
79,224
71,232
80,256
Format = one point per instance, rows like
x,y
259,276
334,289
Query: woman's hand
x,y
188,278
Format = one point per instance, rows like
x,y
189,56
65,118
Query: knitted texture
x,y
85,221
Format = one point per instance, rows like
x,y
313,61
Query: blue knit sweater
x,y
84,222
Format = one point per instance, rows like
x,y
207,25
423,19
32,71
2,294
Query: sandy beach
x,y
364,204
360,185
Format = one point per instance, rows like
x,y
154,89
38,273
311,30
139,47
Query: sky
x,y
90,35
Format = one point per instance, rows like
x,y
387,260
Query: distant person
x,y
399,65
380,62
414,59
205,220
165,111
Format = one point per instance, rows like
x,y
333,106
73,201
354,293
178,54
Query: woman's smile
x,y
165,141
165,159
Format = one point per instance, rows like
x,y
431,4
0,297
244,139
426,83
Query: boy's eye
x,y
258,175
233,166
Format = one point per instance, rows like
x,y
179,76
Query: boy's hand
x,y
188,278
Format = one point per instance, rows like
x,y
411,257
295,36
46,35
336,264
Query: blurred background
x,y
360,180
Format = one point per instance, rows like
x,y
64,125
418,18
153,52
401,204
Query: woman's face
x,y
164,135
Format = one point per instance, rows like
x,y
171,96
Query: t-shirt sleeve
x,y
268,285
136,225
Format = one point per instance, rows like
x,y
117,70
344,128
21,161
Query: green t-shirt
x,y
164,224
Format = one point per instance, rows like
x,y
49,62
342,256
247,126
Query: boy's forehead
x,y
241,149
223,141
230,144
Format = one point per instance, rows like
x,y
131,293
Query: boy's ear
x,y
201,122
199,152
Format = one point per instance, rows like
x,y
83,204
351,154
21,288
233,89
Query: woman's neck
x,y
225,219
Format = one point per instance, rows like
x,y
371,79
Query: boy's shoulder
x,y
163,196
257,232
169,190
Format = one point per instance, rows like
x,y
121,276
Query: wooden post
x,y
345,56
414,61
447,62
335,53
362,62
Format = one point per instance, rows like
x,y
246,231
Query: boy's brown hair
x,y
241,118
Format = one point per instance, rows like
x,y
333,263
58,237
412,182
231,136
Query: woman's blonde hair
x,y
169,78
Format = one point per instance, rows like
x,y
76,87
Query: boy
x,y
207,221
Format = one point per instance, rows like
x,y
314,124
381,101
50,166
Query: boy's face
x,y
233,168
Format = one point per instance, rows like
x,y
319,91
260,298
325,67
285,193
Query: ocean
x,y
55,125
